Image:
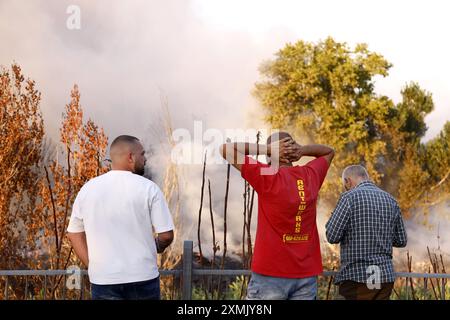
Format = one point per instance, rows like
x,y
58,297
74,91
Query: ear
x,y
348,181
130,157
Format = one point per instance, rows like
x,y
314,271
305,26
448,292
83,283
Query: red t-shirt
x,y
287,242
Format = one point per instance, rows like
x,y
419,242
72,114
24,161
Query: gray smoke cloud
x,y
123,56
430,229
128,53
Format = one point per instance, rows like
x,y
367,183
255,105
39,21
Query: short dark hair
x,y
124,138
278,136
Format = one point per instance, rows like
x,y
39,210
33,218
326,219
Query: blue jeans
x,y
263,287
143,290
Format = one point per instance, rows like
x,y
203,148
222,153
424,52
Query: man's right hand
x,y
290,150
294,152
280,149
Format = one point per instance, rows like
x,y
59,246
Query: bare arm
x,y
313,150
163,240
235,152
79,245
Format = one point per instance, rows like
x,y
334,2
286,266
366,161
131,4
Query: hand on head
x,y
293,151
285,150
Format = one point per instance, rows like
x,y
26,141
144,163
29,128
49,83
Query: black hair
x,y
124,138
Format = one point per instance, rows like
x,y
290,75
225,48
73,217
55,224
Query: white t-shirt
x,y
117,210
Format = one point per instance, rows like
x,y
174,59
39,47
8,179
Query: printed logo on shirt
x,y
297,236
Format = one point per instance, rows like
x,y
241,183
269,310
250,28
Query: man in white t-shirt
x,y
111,226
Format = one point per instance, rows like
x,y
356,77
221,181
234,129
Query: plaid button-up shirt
x,y
367,223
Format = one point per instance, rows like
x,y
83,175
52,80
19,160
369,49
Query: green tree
x,y
436,160
324,93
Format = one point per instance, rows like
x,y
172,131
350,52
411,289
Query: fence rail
x,y
188,271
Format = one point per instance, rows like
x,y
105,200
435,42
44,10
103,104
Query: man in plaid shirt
x,y
367,223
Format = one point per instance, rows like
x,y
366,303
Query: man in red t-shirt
x,y
287,257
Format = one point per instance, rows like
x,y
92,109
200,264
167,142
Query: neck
x,y
360,181
121,168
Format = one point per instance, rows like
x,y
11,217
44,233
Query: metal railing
x,y
188,272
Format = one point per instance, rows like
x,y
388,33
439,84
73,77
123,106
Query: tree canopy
x,y
325,93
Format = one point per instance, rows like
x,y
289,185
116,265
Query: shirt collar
x,y
119,171
364,183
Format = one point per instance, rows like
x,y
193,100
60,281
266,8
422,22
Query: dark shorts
x,y
143,290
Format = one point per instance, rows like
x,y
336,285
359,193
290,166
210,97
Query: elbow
x,y
166,237
400,244
331,154
70,237
170,240
331,238
400,240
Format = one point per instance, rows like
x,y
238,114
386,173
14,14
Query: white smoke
x,y
127,51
